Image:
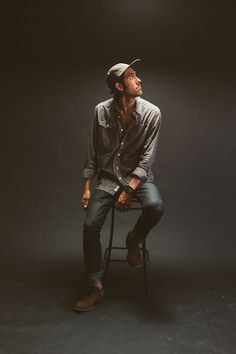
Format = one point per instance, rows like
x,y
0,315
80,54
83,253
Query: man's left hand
x,y
124,201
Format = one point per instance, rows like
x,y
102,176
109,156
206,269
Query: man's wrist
x,y
129,190
134,182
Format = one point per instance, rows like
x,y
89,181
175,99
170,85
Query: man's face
x,y
132,83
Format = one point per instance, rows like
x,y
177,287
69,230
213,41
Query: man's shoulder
x,y
104,105
146,106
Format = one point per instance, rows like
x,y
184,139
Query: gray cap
x,y
115,72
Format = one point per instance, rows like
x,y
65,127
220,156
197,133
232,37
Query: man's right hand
x,y
85,198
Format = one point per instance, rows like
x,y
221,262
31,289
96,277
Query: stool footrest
x,y
122,248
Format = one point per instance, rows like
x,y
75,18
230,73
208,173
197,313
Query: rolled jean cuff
x,y
95,276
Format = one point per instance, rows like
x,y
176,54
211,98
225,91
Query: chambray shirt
x,y
116,154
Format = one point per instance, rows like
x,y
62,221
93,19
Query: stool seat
x,y
108,250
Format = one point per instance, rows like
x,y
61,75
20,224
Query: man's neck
x,y
126,104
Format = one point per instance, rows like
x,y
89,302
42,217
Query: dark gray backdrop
x,y
54,60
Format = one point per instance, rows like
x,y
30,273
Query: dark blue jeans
x,y
100,203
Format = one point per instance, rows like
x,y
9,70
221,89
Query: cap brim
x,y
134,62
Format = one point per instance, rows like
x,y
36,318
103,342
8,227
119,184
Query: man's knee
x,y
91,226
154,211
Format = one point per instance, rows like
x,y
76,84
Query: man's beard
x,y
131,94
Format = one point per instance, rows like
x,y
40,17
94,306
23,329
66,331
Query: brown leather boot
x,y
134,256
94,296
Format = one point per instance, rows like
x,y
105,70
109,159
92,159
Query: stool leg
x,y
109,248
144,249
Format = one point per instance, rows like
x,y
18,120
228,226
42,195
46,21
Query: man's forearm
x,y
87,183
134,182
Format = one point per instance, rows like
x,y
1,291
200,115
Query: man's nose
x,y
138,79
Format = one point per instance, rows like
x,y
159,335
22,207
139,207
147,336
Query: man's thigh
x,y
98,207
150,195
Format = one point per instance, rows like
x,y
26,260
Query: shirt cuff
x,y
140,173
87,173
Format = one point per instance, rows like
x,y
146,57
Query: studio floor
x,y
188,311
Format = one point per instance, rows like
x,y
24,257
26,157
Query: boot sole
x,y
81,309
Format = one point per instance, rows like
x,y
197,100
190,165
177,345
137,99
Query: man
x,y
121,151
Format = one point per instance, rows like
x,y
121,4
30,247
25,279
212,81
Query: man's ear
x,y
119,86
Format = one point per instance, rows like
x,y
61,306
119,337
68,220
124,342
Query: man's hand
x,y
86,193
85,197
124,201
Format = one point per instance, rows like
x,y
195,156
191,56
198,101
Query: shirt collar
x,y
138,107
137,111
